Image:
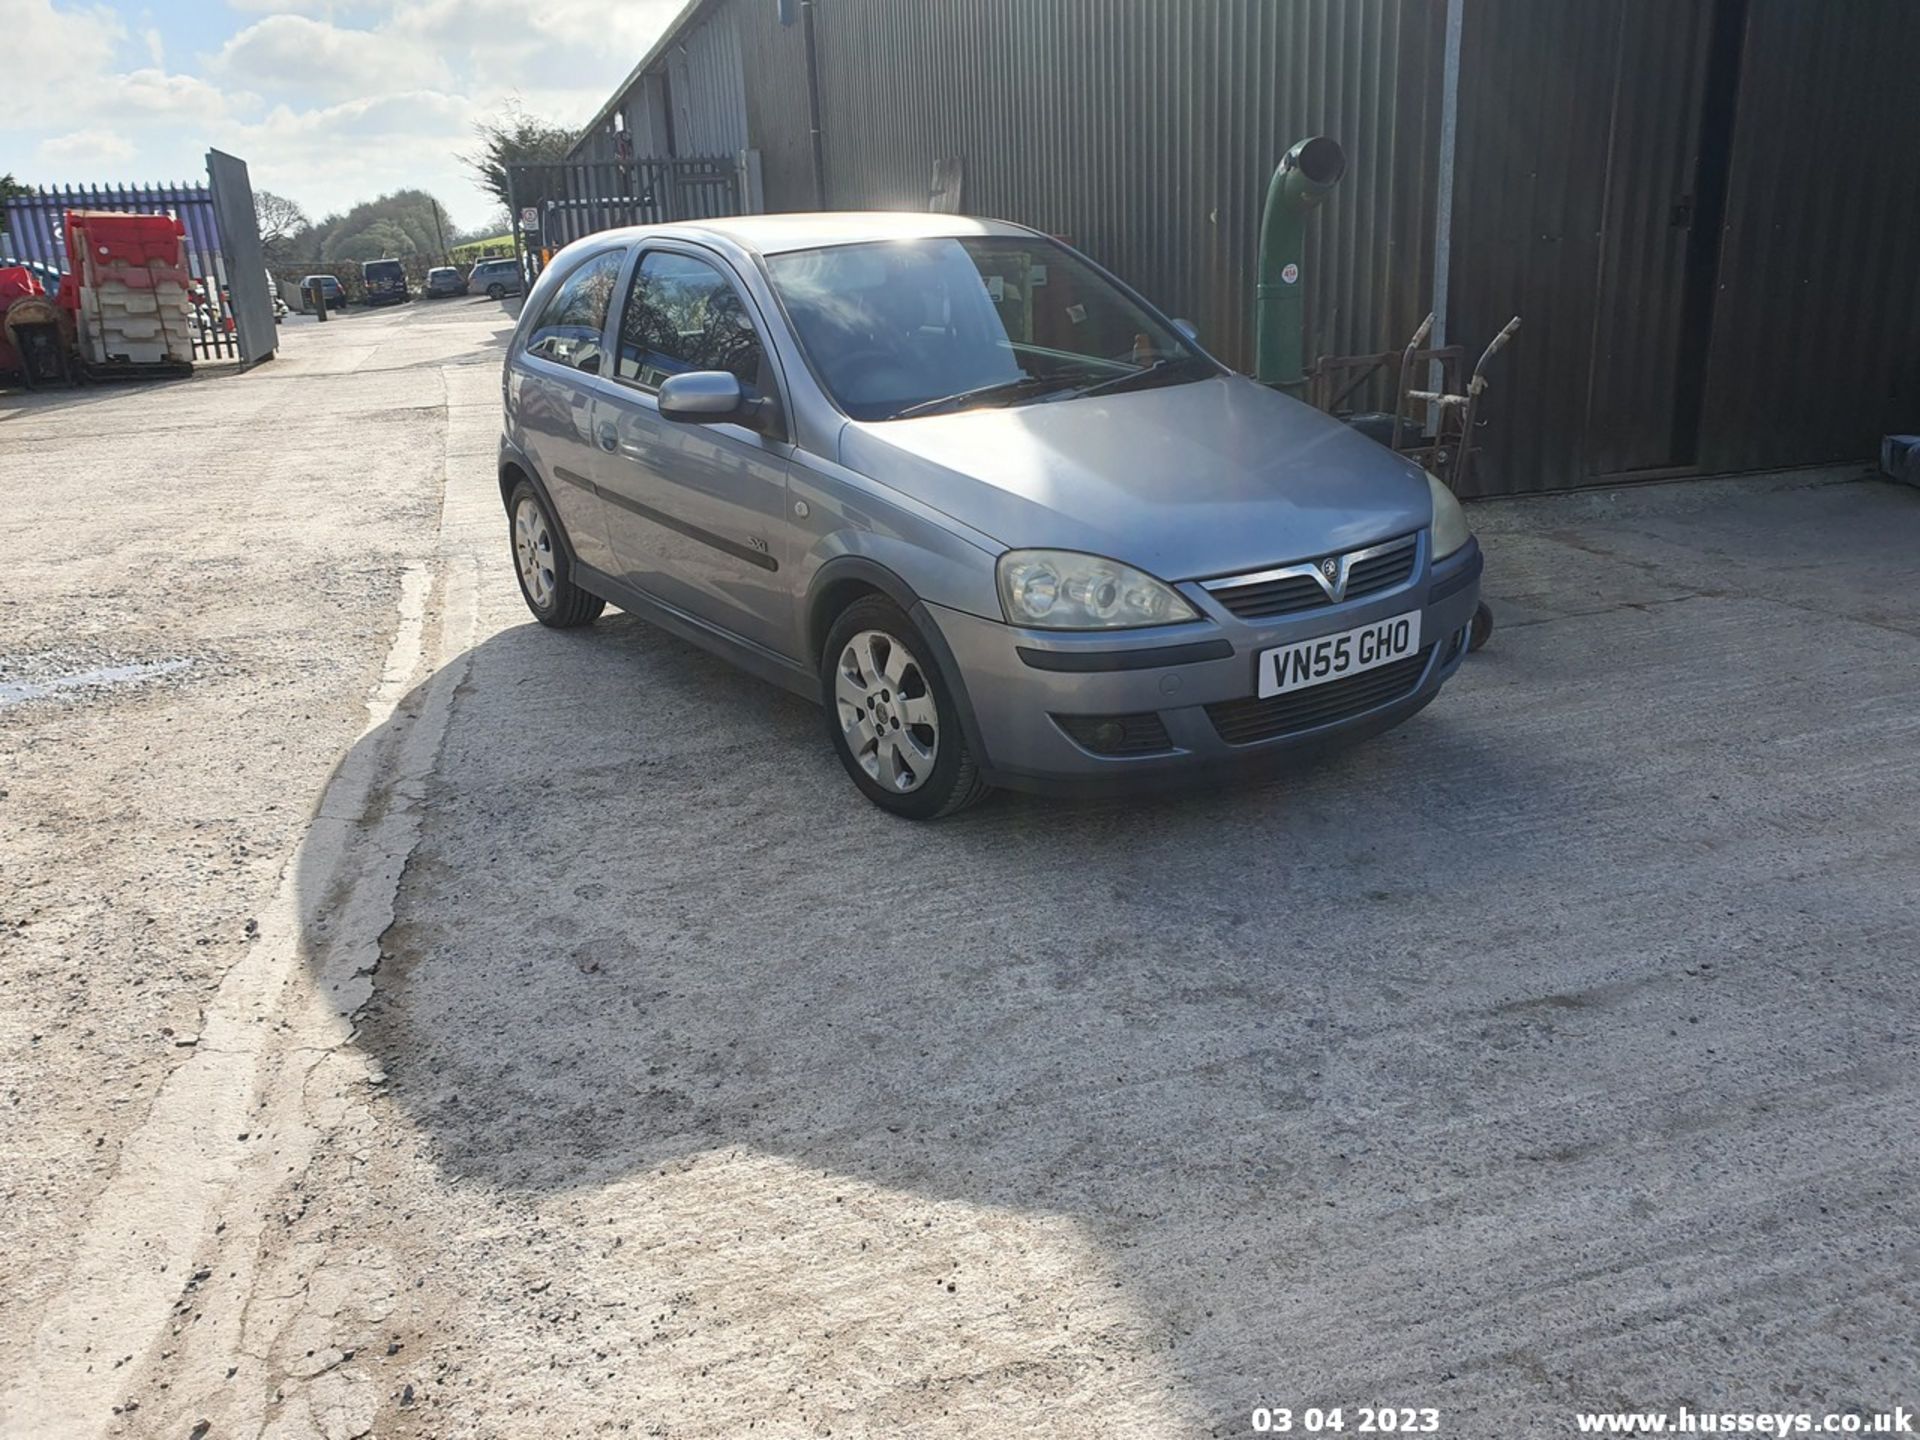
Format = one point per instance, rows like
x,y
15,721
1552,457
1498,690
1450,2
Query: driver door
x,y
697,513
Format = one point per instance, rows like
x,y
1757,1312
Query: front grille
x,y
1140,734
1286,594
1380,572
1275,597
1242,722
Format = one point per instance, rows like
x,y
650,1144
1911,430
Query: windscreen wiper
x,y
1159,370
1000,389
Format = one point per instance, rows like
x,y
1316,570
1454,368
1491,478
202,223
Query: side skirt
x,y
754,659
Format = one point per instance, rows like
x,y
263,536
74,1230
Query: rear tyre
x,y
891,716
540,562
496,292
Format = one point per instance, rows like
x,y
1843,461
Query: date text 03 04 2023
x,y
1337,1419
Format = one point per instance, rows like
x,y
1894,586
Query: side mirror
x,y
1188,329
712,397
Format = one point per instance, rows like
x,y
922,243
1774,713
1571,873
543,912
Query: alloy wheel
x,y
887,711
533,551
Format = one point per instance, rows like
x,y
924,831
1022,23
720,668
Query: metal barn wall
x,y
1816,348
1662,335
700,76
645,111
707,89
774,59
1145,131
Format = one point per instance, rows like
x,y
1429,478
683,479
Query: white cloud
x,y
292,54
52,54
157,95
329,101
333,156
86,151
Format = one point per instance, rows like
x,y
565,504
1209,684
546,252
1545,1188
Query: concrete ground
x,y
416,1023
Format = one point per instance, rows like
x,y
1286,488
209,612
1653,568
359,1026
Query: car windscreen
x,y
383,270
896,328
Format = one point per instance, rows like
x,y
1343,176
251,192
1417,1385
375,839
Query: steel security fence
x,y
36,231
556,204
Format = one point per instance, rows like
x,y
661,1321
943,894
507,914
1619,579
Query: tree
x,y
405,223
378,241
514,138
280,221
9,187
278,217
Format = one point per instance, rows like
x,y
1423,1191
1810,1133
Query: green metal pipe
x,y
1302,179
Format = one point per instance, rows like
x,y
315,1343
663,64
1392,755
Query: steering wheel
x,y
862,359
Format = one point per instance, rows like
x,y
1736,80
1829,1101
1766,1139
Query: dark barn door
x,y
1649,216
1591,185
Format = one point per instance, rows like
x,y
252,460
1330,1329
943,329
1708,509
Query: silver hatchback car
x,y
1006,522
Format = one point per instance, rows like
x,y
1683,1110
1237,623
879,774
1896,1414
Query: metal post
x,y
813,105
513,224
1443,201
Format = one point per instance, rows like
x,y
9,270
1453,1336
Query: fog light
x,y
1108,734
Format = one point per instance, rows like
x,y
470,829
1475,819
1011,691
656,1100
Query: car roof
x,y
812,230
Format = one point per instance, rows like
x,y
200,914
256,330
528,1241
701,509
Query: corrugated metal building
x,y
1703,209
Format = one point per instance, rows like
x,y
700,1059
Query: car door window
x,y
683,314
569,329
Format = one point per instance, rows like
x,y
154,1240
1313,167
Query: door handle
x,y
608,436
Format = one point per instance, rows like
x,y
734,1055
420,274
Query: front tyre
x,y
891,716
541,564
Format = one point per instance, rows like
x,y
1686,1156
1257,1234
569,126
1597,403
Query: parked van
x,y
385,282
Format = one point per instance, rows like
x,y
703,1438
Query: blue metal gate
x,y
36,231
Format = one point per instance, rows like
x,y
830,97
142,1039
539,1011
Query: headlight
x,y
1065,590
1450,530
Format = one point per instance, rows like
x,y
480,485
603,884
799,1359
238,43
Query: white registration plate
x,y
1306,663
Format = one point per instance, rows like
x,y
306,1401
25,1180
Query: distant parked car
x,y
444,280
385,282
495,278
331,290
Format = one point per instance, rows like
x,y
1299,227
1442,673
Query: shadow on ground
x,y
1475,1067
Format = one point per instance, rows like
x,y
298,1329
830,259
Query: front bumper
x,y
1015,682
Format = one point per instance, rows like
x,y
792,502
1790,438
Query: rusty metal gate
x,y
36,231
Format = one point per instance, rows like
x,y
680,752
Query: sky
x,y
329,102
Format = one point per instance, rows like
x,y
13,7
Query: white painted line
x,y
138,1247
